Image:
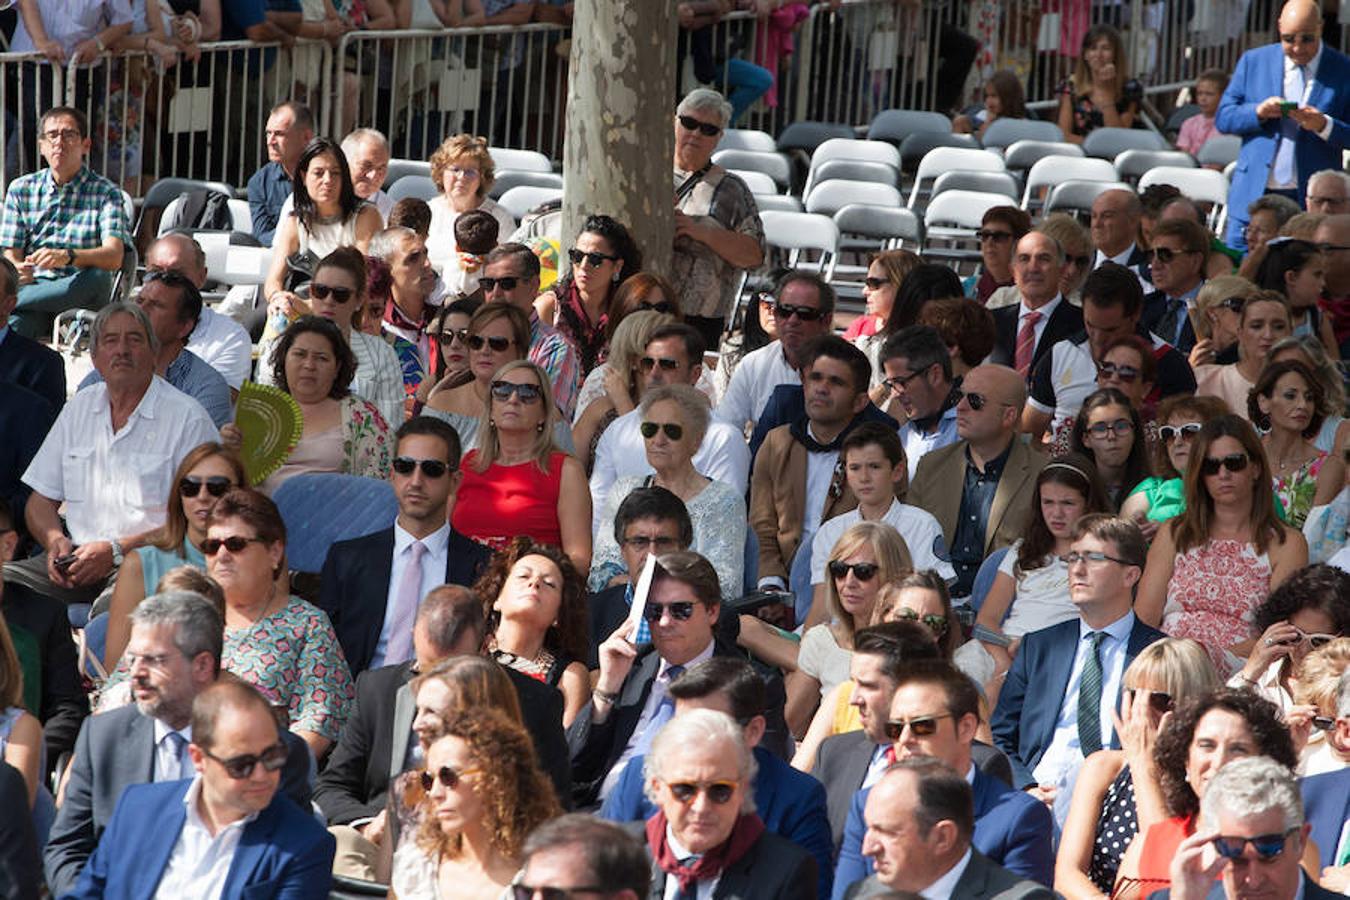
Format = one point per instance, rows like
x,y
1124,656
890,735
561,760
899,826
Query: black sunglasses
x,y
647,363
321,292
1170,433
861,571
707,129
507,283
432,468
923,726
935,623
804,313
680,611
1233,462
1324,723
1080,261
593,259
176,279
1165,255
975,401
447,776
529,892
496,344
665,306
673,430
997,237
876,284
502,390
240,767
1267,846
450,335
216,485
1235,304
719,792
1158,701
1111,370
234,543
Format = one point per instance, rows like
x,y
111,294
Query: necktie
x,y
680,892
665,710
1169,324
404,612
178,744
889,755
1283,167
1090,698
1026,343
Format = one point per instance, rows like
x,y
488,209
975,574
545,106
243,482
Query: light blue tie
x,y
1284,153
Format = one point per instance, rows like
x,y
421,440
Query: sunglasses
x,y
922,726
450,335
803,313
647,363
234,543
502,390
1165,255
168,276
322,292
876,284
1127,374
673,430
508,283
719,792
528,892
1234,304
447,776
1119,428
1092,557
593,259
216,485
861,571
665,306
1267,846
975,401
240,767
933,622
1170,433
1081,262
432,468
1158,701
1324,723
496,344
1316,640
707,129
680,611
997,237
1233,462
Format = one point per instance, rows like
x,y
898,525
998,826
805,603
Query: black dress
x,y
1086,116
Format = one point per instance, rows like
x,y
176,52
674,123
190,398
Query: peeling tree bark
x,y
620,114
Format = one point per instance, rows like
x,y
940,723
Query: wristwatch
x,y
70,256
117,553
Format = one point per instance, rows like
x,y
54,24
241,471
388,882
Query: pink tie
x,y
1026,343
400,647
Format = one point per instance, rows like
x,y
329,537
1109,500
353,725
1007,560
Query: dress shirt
x,y
942,888
268,190
434,562
1188,301
169,764
72,22
1123,259
1046,310
1301,98
706,887
1064,754
117,484
200,863
753,382
876,766
917,442
820,471
223,344
972,519
195,378
922,533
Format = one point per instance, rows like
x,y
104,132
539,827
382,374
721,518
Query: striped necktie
x,y
1090,698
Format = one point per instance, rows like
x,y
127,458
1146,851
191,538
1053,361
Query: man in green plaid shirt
x,y
64,228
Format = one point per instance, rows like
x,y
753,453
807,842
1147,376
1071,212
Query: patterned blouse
x,y
366,442
1296,490
293,657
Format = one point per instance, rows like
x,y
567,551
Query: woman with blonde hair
x,y
1217,319
1313,720
463,171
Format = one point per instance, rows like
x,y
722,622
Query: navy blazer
x,y
787,404
1326,804
1024,720
1065,321
284,852
25,362
1260,74
355,587
25,419
1155,307
1011,827
1311,891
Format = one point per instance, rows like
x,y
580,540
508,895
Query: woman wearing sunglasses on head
x,y
204,475
1214,564
1162,495
517,480
1289,403
484,794
1263,321
1117,792
1217,319
1109,432
1313,719
674,419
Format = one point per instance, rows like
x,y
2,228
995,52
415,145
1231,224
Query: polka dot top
x,y
1116,826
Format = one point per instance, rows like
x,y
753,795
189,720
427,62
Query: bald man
x,y
1290,103
1024,333
996,472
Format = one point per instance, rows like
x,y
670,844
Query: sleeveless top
x,y
1160,845
325,237
502,502
155,562
545,667
1296,490
1213,592
1116,827
575,323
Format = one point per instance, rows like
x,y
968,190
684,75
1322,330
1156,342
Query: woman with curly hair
x,y
485,793
535,604
1198,739
464,172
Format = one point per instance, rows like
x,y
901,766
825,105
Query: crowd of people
x,y
1031,584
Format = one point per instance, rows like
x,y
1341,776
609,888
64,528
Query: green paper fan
x,y
271,423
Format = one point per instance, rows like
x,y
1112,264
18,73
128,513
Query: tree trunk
x,y
620,114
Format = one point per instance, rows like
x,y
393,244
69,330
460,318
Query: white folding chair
x,y
1003,132
1022,155
845,148
747,139
799,232
770,162
891,226
401,168
757,182
1220,150
520,200
777,203
985,182
856,170
1200,185
423,188
828,197
509,178
520,160
953,159
1131,164
953,217
1049,171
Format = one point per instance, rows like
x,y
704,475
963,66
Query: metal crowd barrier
x,y
28,82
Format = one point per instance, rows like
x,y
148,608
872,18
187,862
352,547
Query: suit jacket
x,y
983,879
63,704
355,587
1012,828
25,419
281,853
607,610
596,748
1326,804
773,869
1260,74
1155,307
787,404
25,362
1066,320
1311,891
1033,693
114,751
937,483
20,865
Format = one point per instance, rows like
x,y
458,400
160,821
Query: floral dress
x,y
293,657
1296,490
1213,592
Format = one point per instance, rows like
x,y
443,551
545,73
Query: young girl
x,y
1198,129
1003,99
1297,269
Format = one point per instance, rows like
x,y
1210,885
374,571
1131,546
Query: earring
x,y
615,278
492,423
539,428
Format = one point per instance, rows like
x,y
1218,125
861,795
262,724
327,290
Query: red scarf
x,y
744,834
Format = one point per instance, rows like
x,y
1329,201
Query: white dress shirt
x,y
876,766
200,863
116,484
921,531
753,382
943,888
434,561
706,887
169,764
224,344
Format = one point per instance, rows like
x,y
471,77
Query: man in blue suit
x,y
1326,802
1290,104
228,832
935,712
791,803
1058,703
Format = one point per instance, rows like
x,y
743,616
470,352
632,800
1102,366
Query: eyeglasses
x,y
320,291
68,135
1165,255
719,792
804,313
1332,248
1127,374
1304,37
642,542
593,259
1317,640
933,622
149,660
1118,428
680,611
450,335
665,306
707,129
1170,433
495,344
902,381
977,401
1233,462
647,363
861,571
528,892
920,726
1092,557
1267,846
529,393
240,767
234,543
216,485
466,174
447,776
1158,701
432,468
506,283
997,237
876,284
673,430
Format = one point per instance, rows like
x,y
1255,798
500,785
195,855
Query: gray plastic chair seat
x,y
985,182
1179,117
1022,155
1220,150
807,136
1004,132
915,147
952,159
1133,163
400,168
1052,170
510,178
520,160
1079,195
770,162
828,197
747,139
895,125
856,170
777,203
1108,143
882,223
419,186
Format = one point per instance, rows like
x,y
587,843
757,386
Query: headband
x,y
1072,468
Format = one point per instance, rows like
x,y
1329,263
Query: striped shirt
x,y
552,352
80,214
72,22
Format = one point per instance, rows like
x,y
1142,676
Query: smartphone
x,y
1288,106
63,562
